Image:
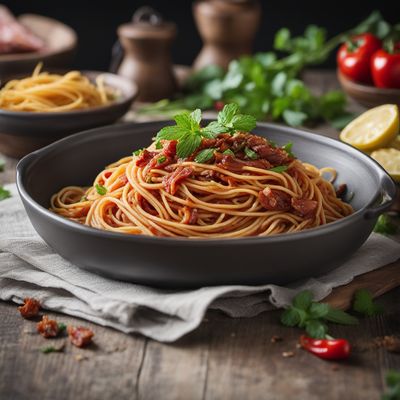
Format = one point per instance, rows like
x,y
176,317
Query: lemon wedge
x,y
389,160
373,129
396,143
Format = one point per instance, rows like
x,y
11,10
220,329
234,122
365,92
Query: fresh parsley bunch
x,y
312,316
189,133
269,87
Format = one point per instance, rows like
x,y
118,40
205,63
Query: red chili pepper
x,y
354,57
219,105
329,349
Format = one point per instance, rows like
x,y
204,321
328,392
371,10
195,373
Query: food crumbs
x,y
30,308
276,338
80,357
288,354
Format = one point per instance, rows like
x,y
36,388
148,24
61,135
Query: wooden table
x,y
224,358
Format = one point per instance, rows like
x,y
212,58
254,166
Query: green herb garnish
x,y
279,169
364,304
189,133
52,349
4,193
288,148
161,159
312,316
137,152
252,155
229,152
62,326
100,189
393,386
385,226
205,155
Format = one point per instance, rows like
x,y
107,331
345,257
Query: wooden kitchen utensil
x,y
227,28
147,54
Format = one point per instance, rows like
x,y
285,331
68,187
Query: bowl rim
x,y
127,83
182,241
361,87
41,55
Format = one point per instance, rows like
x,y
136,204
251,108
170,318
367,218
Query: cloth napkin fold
x,y
29,268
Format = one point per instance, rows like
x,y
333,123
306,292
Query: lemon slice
x,y
375,128
389,160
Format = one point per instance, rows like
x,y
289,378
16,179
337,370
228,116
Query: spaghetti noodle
x,y
45,92
228,196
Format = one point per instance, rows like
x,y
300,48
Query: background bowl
x,y
367,95
60,45
172,262
22,132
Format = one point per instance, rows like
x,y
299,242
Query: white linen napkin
x,y
29,268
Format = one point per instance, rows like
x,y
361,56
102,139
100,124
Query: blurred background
x,y
96,22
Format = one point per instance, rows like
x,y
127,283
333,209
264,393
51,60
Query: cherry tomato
x,y
218,105
354,57
329,349
386,68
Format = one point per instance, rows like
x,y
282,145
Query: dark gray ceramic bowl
x,y
22,132
170,262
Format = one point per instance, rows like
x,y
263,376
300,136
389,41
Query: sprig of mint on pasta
x,y
189,133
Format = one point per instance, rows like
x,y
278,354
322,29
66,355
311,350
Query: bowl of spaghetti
x,y
203,203
46,106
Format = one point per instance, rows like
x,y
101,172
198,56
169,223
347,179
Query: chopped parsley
x,y
4,193
229,152
100,189
161,159
137,152
205,155
62,326
252,155
288,148
279,169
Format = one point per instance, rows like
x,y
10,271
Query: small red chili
x,y
219,105
329,349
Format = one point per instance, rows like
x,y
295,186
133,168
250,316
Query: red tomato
x,y
354,57
386,68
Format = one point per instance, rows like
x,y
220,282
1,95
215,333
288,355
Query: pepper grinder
x,y
146,42
227,27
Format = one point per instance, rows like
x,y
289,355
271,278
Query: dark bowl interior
x,y
76,160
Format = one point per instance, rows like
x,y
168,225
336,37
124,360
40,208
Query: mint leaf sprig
x,y
393,385
189,133
364,304
313,316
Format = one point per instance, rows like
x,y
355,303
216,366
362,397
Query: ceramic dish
x,y
367,95
60,45
171,262
23,132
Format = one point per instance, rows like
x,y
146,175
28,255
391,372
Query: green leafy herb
x,y
4,193
393,385
385,226
100,189
312,316
288,148
161,159
268,87
62,326
252,155
52,349
364,304
229,152
137,152
205,155
279,168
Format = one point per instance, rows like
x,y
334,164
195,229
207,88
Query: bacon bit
x,y
145,205
263,148
30,308
304,207
80,336
232,164
274,200
207,143
171,182
48,327
145,157
341,190
123,179
190,215
107,174
169,147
